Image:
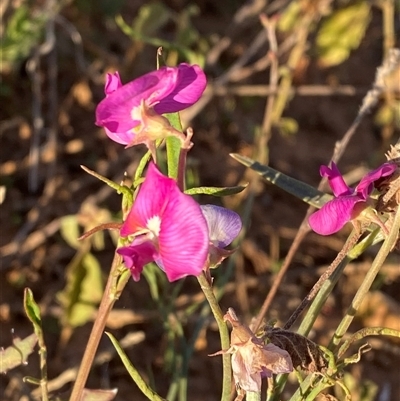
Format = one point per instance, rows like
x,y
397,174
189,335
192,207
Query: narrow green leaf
x,y
301,190
216,191
144,388
17,354
32,309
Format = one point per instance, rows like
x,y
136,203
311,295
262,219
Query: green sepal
x,y
121,189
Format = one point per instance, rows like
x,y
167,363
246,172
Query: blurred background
x,y
316,59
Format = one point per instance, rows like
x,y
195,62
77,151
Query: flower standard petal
x,y
151,200
224,225
183,240
189,86
334,214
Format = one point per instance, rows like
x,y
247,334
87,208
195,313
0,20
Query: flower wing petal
x,y
137,255
365,187
183,239
224,225
189,86
333,215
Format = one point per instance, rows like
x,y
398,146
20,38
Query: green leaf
x,y
17,354
290,16
151,17
342,32
69,230
216,191
288,126
83,290
23,32
32,310
135,375
98,395
301,190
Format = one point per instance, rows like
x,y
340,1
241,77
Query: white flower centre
x,y
154,225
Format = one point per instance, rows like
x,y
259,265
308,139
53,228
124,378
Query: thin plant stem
x,y
33,312
110,296
366,284
351,241
223,332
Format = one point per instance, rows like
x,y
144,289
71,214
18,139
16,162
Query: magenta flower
x,y
128,110
168,228
224,226
348,202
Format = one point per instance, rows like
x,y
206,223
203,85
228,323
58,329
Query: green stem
x,y
366,284
110,296
144,388
224,335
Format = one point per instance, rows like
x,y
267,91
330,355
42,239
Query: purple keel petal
x,y
183,240
224,225
333,215
365,187
336,181
190,84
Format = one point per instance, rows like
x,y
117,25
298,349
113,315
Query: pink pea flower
x,y
224,226
348,202
167,227
128,111
253,360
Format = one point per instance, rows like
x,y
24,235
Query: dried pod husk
x,y
304,353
